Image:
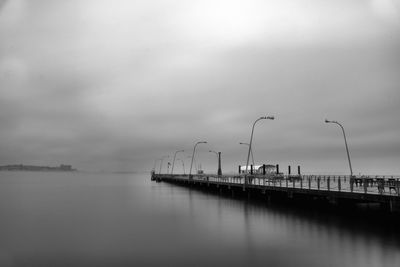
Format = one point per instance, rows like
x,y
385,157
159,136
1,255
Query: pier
x,y
334,189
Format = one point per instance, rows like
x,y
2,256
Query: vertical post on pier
x,y
329,183
365,185
219,164
398,187
277,168
239,170
309,183
318,181
351,183
263,169
339,184
298,169
251,169
289,170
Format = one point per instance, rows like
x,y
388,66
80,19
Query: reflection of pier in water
x,y
333,188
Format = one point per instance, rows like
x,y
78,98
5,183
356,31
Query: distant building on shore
x,y
21,167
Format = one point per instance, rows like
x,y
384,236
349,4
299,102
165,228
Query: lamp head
x,y
263,118
271,117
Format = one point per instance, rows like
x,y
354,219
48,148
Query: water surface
x,y
83,219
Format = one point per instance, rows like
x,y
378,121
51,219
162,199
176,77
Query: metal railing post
x,y
398,187
351,180
329,183
365,185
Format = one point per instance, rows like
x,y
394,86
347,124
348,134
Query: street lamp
x,y
194,149
251,137
173,162
162,159
219,172
195,163
251,151
345,142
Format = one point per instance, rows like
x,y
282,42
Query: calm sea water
x,y
81,219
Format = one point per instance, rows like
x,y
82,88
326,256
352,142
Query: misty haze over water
x,y
83,219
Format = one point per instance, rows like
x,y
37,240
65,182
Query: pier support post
x,y
219,164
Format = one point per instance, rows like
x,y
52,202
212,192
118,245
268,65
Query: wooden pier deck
x,y
363,189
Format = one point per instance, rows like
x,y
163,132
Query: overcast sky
x,y
113,85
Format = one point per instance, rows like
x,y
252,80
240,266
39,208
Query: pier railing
x,y
377,185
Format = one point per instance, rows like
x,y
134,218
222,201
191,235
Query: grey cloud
x,y
118,93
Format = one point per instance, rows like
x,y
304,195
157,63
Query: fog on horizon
x,y
114,85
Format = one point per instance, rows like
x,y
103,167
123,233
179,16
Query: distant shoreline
x,y
21,167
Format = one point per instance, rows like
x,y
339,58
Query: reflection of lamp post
x,y
183,166
345,142
194,149
173,162
251,151
162,159
219,172
251,137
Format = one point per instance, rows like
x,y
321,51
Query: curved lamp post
x,y
194,149
251,137
345,142
173,162
219,172
251,151
162,159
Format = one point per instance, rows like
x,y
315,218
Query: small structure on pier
x,y
258,169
